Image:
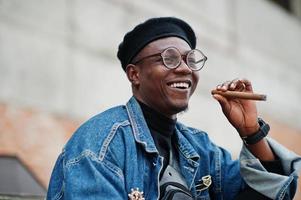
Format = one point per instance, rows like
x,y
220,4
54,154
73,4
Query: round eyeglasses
x,y
172,58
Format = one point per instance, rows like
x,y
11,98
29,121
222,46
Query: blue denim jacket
x,y
113,153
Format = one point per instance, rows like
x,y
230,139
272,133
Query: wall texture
x,y
59,58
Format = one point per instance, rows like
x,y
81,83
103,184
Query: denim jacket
x,y
113,154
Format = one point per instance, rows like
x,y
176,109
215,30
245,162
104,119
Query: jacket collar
x,y
185,146
143,136
141,131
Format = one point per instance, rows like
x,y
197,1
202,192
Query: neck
x,y
156,121
170,116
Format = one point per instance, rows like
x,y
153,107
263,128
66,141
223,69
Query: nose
x,y
183,68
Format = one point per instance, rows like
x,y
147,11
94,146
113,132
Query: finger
x,y
224,86
240,86
247,84
233,84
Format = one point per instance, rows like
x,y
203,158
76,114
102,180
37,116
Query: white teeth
x,y
180,85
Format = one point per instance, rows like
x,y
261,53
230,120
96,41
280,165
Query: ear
x,y
132,72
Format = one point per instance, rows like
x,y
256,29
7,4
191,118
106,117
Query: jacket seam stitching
x,y
92,155
114,168
218,171
61,191
85,153
282,191
109,138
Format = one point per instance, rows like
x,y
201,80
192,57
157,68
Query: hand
x,y
242,114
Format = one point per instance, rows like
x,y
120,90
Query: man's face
x,y
163,89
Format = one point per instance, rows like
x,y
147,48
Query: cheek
x,y
152,80
195,78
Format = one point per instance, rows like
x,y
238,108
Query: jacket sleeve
x,y
56,184
270,184
86,177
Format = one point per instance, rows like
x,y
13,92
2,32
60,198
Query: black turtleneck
x,y
162,130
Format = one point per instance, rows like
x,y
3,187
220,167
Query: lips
x,y
180,84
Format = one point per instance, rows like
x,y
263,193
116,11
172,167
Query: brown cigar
x,y
241,95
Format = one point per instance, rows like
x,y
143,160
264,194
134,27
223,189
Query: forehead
x,y
161,44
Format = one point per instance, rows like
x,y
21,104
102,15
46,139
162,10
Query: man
x,y
140,151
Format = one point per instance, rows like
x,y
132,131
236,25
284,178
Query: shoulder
x,y
192,132
198,138
91,136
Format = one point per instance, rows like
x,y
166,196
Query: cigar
x,y
240,95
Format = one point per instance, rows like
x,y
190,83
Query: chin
x,y
180,107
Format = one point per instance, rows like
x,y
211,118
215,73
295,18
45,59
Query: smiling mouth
x,y
180,85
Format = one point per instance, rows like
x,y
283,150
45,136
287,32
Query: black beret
x,y
150,30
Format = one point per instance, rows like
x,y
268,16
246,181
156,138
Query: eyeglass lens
x,y
172,58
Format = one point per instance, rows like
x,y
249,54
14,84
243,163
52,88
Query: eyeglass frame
x,y
183,58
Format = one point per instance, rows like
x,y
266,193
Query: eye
x,y
159,59
192,60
